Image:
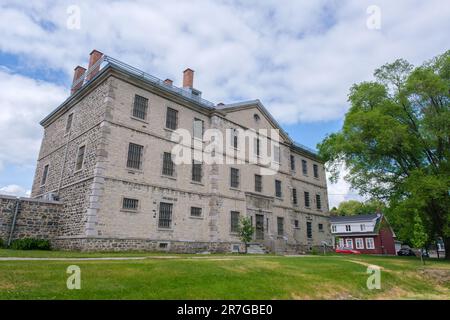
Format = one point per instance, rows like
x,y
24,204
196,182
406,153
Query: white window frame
x,y
341,243
349,241
359,243
349,229
363,227
333,228
372,243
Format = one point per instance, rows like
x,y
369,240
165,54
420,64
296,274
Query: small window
x,y
296,224
130,204
294,197
44,175
257,146
80,158
134,160
320,225
341,243
369,243
359,243
278,192
304,167
292,163
256,117
333,228
363,227
318,202
280,226
168,165
309,230
348,228
316,170
349,243
196,171
258,183
307,201
276,154
165,215
171,119
198,129
69,122
163,245
234,138
234,179
140,107
234,221
196,212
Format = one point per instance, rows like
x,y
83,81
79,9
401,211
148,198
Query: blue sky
x,y
298,57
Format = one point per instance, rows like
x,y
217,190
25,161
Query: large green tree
x,y
354,207
395,142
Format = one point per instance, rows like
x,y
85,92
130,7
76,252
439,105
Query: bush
x,y
2,243
30,244
314,251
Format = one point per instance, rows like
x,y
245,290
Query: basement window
x,y
130,204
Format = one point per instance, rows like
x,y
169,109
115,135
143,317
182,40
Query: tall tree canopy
x,y
354,207
395,142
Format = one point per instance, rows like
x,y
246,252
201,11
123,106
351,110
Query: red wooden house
x,y
369,233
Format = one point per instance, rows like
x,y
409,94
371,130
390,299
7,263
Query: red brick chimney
x,y
168,82
95,55
188,78
78,73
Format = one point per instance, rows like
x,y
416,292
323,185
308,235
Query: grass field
x,y
159,276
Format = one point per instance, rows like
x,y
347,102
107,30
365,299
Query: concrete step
x,y
256,248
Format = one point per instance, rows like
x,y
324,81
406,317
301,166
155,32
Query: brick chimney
x,y
168,82
188,78
77,74
95,55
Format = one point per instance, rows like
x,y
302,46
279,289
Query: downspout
x,y
13,225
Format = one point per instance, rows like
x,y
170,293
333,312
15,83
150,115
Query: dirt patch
x,y
439,276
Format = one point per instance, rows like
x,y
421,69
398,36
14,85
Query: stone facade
x,y
92,217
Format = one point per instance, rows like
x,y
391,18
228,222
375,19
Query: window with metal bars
x,y
316,170
168,166
294,196
278,192
69,122
258,183
134,160
309,230
292,163
130,204
165,215
320,225
280,226
234,223
234,179
44,175
296,224
318,202
307,202
140,107
171,119
80,158
304,167
196,212
196,171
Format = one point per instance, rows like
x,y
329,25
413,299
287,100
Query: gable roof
x,y
356,218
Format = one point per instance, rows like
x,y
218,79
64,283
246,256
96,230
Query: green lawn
x,y
221,277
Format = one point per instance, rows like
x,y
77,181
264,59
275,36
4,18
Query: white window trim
x,y
333,228
341,243
347,241
363,227
372,246
349,229
361,242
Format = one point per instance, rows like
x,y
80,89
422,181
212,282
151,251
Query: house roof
x,y
356,218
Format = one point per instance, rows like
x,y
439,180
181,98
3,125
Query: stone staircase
x,y
256,248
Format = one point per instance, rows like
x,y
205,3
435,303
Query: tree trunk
x,y
447,247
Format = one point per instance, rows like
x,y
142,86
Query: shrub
x,y
2,243
30,244
314,251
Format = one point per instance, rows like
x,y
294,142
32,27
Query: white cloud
x,y
15,190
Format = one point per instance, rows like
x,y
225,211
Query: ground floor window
x,y
234,221
280,226
341,243
349,243
165,215
359,243
309,230
370,244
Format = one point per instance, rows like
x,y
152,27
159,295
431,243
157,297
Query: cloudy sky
x,y
298,57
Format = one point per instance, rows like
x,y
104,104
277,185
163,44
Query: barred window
x,y
309,230
140,107
307,203
80,158
318,202
44,175
198,128
258,183
316,170
130,204
69,122
234,221
134,156
196,212
168,166
278,192
234,181
292,163
171,119
296,225
294,196
280,226
165,215
196,171
304,167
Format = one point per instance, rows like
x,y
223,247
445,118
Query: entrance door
x,y
259,227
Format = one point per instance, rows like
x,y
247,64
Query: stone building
x,y
106,157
